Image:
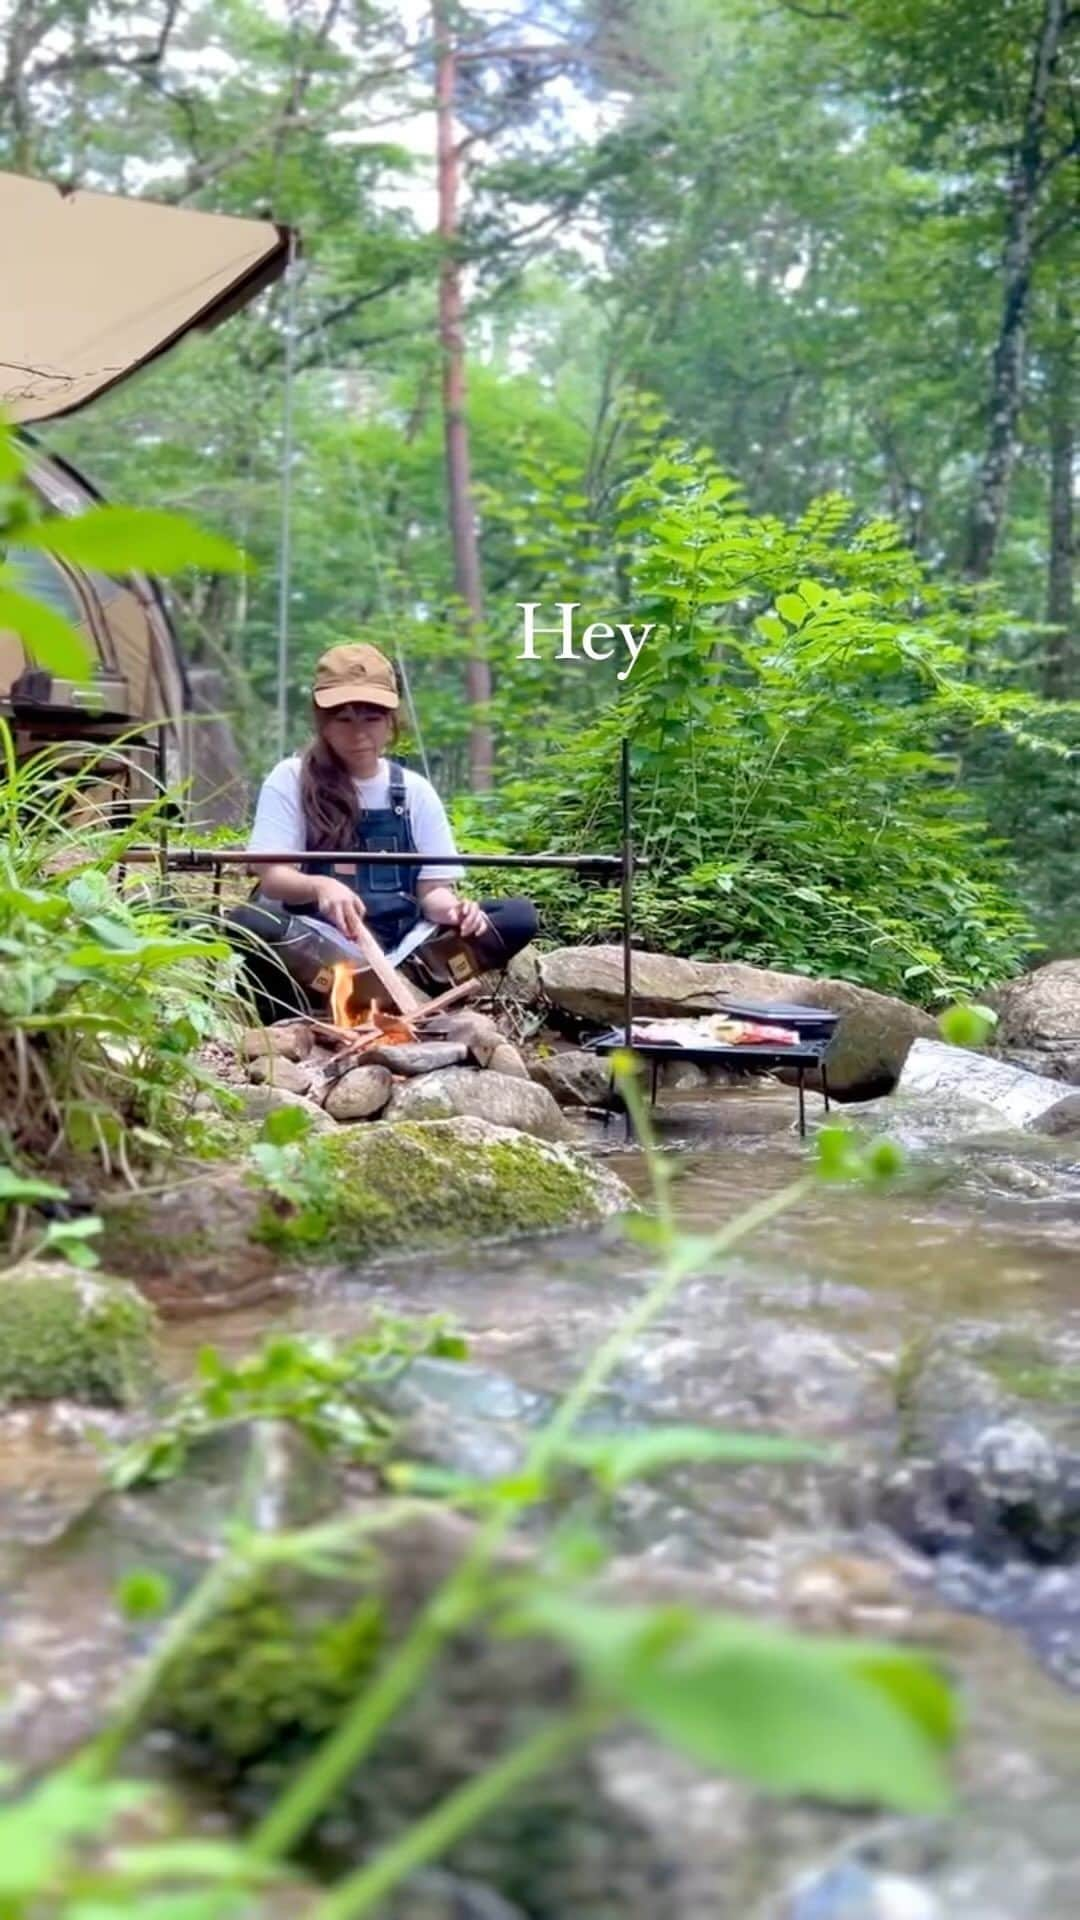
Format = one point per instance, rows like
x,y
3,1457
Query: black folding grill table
x,y
801,1055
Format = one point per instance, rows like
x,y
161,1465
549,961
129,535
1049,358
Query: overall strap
x,y
398,801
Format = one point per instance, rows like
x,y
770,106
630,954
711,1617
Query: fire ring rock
x,y
360,1092
498,1097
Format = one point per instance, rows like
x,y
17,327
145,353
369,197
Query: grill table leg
x,y
825,1085
654,1075
802,1102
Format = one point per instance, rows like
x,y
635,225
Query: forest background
x,y
769,326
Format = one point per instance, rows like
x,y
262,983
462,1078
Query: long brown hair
x,y
327,793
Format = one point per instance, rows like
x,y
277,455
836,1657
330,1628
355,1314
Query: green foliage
x,y
48,1836
116,540
321,1387
104,994
788,719
967,1025
615,1459
143,1594
841,1154
844,1720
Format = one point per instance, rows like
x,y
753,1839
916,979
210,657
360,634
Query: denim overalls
x,y
388,892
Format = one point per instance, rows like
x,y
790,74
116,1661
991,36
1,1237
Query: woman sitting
x,y
343,795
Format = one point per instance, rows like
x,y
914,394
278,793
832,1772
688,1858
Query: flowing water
x,y
823,1325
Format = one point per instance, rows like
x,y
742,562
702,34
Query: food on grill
x,y
713,1030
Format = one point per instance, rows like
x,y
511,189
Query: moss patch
x,y
436,1184
71,1335
267,1672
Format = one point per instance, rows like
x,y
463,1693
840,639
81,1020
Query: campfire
x,y
364,1026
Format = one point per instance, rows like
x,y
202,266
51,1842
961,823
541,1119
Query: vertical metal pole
x,y
627,892
161,774
627,902
285,556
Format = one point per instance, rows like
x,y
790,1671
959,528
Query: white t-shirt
x,y
279,816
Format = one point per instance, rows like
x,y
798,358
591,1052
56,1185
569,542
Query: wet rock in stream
x,y
989,1492
629,1832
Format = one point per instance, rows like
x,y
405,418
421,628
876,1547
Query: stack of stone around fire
x,y
470,1068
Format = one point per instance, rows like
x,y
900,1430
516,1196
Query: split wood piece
x,y
402,994
448,999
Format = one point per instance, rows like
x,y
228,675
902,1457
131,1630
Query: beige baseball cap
x,y
355,672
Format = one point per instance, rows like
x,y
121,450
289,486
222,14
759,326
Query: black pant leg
x,y
514,922
261,934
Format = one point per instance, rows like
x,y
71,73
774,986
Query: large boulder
x,y
70,1335
417,1186
871,1042
1039,1020
499,1097
955,1074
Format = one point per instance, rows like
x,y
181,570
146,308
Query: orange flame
x,y
376,1026
341,996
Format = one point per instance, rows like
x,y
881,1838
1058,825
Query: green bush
x,y
795,719
104,996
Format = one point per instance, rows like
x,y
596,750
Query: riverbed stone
x,y
278,1070
358,1094
1039,1018
1062,1119
506,1059
682,1076
946,1073
259,1101
280,1662
989,1471
285,1040
417,1056
575,1077
478,1033
66,1334
850,1891
489,1096
448,1183
999,1492
446,1896
868,1050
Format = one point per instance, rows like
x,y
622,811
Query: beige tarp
x,y
93,286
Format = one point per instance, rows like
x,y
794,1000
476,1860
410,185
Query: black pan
x,y
811,1023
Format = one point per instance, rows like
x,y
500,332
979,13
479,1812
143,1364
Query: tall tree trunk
x,y
1062,654
992,486
455,425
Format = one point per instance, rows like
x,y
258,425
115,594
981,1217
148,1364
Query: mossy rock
x,y
70,1335
279,1665
442,1184
273,1666
434,1185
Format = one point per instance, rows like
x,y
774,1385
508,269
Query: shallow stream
x,y
824,1326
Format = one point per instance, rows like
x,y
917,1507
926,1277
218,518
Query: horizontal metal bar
x,y
205,859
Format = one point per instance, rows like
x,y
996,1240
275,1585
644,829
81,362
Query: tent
x,y
95,287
